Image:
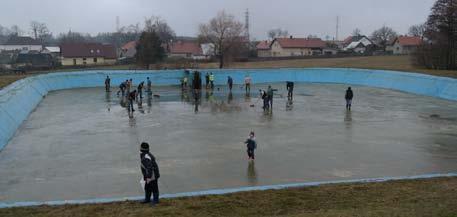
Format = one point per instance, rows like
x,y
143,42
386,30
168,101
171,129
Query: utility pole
x,y
117,24
246,25
337,27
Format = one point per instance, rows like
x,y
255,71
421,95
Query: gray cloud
x,y
299,17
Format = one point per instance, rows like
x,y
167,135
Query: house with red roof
x,y
404,45
186,49
128,50
263,49
74,54
289,47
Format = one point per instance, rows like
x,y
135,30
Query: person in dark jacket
x,y
251,145
140,89
149,86
266,100
197,81
349,95
151,174
131,97
290,89
207,80
270,93
107,84
122,87
230,83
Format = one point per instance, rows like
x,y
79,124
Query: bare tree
x,y
383,35
224,32
16,30
356,32
40,31
160,27
440,48
417,30
277,33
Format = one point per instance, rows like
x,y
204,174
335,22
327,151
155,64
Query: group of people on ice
x,y
128,90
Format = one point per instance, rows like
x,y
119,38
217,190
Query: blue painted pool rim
x,y
226,191
20,98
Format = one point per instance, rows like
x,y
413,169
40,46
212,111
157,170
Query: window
x,y
84,59
74,62
91,51
95,60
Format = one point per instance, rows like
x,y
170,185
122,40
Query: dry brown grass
x,y
399,63
432,197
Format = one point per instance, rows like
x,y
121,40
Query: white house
x,y
21,43
404,45
358,44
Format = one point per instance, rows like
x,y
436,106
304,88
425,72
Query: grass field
x,y
430,197
399,63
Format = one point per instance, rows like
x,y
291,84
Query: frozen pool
x,y
81,143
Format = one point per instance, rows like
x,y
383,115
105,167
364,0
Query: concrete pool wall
x,y
19,99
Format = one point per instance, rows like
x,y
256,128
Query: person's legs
x,y
148,188
155,191
249,153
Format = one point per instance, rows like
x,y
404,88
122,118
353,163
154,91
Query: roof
x,y
53,49
88,50
408,40
300,42
20,40
185,47
129,45
263,45
351,39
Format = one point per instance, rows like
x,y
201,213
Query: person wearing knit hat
x,y
150,171
251,145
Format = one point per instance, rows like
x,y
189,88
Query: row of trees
x,y
440,35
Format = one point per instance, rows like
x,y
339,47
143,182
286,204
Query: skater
x,y
149,85
122,87
207,80
251,145
211,80
290,90
247,83
230,83
264,96
129,86
270,93
107,83
140,89
151,174
197,81
348,97
131,98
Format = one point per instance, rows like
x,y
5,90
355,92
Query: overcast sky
x,y
299,17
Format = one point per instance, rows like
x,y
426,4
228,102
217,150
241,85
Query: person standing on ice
x,y
140,89
230,83
251,145
151,174
290,90
349,95
131,98
247,84
149,85
107,83
211,80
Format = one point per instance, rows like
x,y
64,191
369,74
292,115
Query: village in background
x,y
36,48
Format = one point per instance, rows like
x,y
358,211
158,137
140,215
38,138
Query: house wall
x,y
264,53
398,49
86,61
278,51
21,47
